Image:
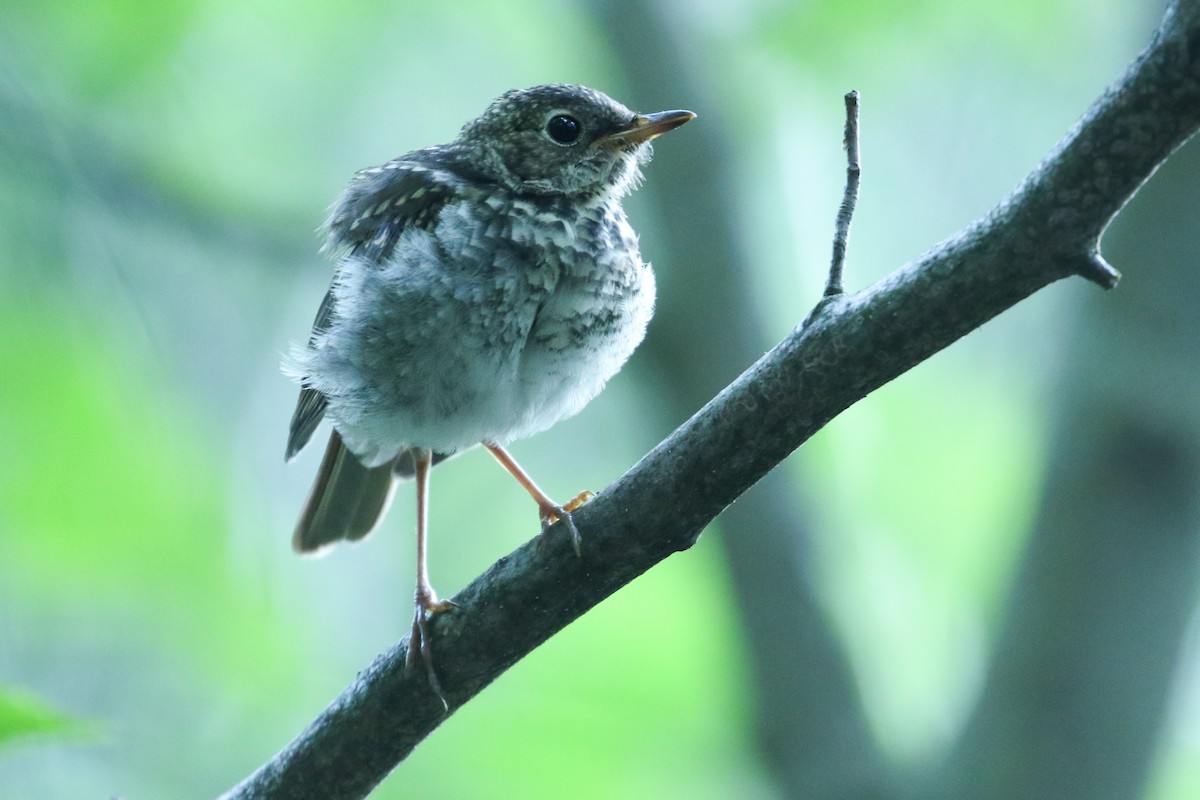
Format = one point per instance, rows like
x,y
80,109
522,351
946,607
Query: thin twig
x,y
849,198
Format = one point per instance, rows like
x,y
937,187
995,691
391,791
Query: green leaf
x,y
22,714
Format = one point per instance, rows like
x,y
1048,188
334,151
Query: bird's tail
x,y
346,502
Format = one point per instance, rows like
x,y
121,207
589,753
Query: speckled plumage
x,y
485,289
492,322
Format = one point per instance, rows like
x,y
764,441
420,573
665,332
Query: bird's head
x,y
563,139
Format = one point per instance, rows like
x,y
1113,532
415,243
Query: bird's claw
x,y
553,514
574,504
427,604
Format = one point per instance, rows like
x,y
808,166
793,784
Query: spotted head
x,y
564,139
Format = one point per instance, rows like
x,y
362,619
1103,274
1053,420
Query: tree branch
x,y
1046,230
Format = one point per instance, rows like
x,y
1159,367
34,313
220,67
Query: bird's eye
x,y
563,129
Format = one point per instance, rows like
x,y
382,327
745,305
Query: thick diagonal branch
x,y
1046,230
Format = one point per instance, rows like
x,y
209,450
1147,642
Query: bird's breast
x,y
593,314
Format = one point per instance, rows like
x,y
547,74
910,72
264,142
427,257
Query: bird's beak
x,y
643,128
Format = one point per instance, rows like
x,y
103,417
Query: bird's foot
x,y
419,644
551,513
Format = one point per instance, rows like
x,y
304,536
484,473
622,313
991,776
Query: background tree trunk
x,y
1081,676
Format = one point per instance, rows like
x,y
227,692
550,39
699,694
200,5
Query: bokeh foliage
x,y
165,165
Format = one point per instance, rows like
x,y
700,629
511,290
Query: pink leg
x,y
425,599
548,510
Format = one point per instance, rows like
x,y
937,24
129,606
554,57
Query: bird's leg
x,y
548,510
425,599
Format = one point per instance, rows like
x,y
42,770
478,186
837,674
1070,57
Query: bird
x,y
484,290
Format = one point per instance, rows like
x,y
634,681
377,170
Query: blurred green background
x,y
164,166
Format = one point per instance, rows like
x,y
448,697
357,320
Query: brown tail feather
x,y
346,501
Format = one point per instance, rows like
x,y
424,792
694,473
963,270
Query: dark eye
x,y
563,129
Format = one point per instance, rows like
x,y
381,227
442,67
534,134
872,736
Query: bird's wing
x,y
366,223
382,202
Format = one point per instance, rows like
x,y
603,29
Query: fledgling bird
x,y
485,289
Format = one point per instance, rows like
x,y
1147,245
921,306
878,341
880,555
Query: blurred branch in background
x,y
812,729
1077,692
115,227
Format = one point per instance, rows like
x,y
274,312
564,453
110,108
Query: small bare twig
x,y
849,198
